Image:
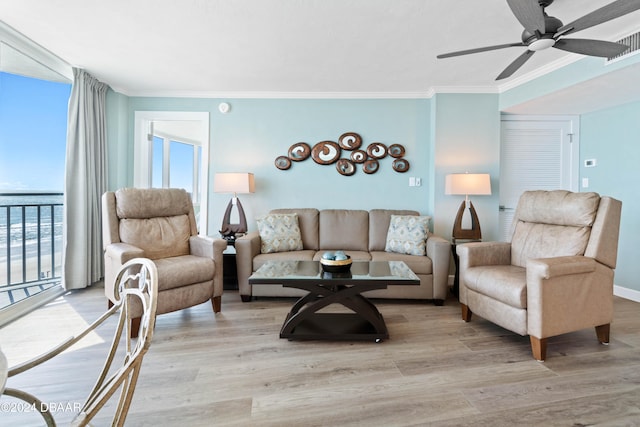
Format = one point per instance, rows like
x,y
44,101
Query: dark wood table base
x,y
364,322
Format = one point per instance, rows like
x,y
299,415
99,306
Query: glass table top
x,y
390,272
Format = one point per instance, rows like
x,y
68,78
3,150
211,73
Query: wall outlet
x,y
585,182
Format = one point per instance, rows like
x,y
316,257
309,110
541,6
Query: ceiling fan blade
x,y
606,13
479,49
513,67
529,13
591,47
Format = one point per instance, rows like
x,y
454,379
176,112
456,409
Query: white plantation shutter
x,y
536,154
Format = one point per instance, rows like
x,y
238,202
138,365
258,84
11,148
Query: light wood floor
x,y
231,369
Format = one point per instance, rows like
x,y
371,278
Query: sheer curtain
x,y
85,181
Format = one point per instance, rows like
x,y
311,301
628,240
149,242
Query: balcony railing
x,y
30,244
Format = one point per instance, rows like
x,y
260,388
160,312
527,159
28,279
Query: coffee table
x,y
362,322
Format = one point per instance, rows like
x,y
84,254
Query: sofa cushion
x,y
408,234
379,226
355,255
344,229
159,237
304,255
279,233
417,264
308,223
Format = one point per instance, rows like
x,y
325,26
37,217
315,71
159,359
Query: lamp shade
x,y
233,183
466,184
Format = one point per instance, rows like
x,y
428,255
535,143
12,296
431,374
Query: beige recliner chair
x,y
159,224
556,274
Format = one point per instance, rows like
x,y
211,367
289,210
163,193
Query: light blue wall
x,y
450,133
256,131
466,139
612,137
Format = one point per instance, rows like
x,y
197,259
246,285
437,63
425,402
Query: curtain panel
x,y
85,182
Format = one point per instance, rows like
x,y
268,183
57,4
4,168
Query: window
x,y
176,159
171,151
34,95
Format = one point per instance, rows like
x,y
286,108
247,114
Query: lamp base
x,y
472,233
229,231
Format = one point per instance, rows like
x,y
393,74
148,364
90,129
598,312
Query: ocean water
x,y
42,218
32,208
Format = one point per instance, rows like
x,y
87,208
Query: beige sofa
x,y
362,235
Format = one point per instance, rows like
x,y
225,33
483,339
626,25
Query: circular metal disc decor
x,y
396,150
325,152
370,166
400,165
358,156
350,141
282,162
299,152
377,150
345,167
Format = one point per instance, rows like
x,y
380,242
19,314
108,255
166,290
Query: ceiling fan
x,y
542,31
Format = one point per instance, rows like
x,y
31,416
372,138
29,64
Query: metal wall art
x,y
330,152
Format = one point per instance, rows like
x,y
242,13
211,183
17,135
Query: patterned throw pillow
x,y
279,233
408,234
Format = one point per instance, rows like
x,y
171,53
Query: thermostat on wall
x,y
589,163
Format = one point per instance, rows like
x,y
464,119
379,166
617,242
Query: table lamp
x,y
235,183
467,184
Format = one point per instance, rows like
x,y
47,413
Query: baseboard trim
x,y
626,293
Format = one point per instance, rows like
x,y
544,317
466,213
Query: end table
x,y
455,289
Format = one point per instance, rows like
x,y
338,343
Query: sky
x,y
33,132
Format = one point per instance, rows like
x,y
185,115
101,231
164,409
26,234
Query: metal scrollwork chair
x,y
135,286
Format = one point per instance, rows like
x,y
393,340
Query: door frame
x,y
142,153
574,159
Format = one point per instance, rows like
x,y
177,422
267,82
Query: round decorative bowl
x,y
336,266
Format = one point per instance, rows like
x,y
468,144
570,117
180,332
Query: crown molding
x,y
35,51
312,95
276,95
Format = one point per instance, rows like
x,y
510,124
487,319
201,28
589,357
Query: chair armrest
x,y
550,268
439,251
123,252
115,256
247,248
213,248
207,247
566,294
484,253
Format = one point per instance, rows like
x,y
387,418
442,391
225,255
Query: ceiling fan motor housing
x,y
551,26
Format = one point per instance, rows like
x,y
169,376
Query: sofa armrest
x,y
439,251
247,248
566,294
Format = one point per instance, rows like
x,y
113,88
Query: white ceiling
x,y
231,48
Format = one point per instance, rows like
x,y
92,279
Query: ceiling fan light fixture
x,y
541,44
